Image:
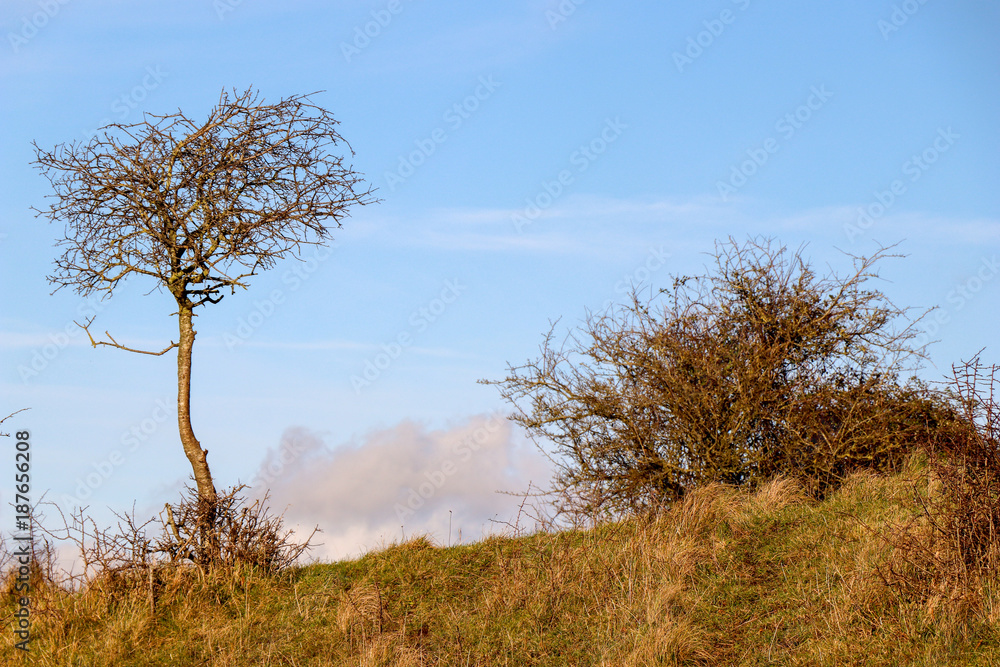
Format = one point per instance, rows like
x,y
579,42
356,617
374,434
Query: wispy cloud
x,y
584,225
580,224
333,345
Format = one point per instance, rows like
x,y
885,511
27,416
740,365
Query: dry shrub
x,y
42,571
873,425
967,467
126,563
239,534
757,368
947,557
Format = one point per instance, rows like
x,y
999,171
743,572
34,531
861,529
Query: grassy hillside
x,y
725,578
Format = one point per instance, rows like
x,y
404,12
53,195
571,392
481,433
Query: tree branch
x,y
4,435
114,343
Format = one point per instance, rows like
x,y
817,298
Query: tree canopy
x,y
198,206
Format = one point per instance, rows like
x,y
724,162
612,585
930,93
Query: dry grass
x,y
725,577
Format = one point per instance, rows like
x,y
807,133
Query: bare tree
x,y
199,208
757,368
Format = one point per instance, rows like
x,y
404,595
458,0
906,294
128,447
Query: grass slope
x,y
726,578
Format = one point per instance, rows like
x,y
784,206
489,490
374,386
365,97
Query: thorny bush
x,y
757,368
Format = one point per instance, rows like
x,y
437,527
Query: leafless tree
x,y
756,368
198,208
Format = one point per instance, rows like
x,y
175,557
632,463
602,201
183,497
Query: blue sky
x,y
533,157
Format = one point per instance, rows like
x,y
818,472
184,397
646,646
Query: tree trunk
x,y
192,448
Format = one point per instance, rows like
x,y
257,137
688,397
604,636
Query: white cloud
x,y
401,480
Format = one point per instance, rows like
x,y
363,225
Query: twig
x,y
116,344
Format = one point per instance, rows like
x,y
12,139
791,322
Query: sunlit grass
x,y
725,577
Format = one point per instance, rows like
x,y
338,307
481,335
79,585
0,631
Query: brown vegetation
x,y
758,368
947,555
